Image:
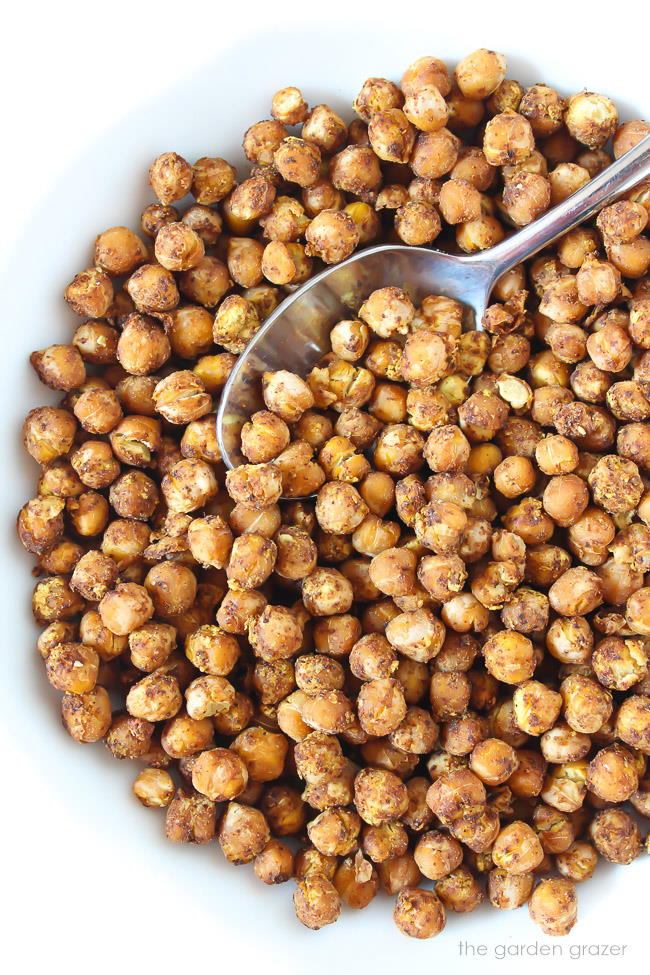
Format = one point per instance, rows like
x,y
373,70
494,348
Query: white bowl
x,y
205,903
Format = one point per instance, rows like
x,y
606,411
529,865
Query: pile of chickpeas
x,y
405,647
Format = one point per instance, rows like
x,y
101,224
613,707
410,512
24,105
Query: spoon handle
x,y
622,175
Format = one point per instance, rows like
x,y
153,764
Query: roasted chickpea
x,y
553,906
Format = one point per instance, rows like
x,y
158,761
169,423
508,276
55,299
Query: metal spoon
x,y
295,336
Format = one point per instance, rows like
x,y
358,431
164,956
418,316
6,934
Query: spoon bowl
x,y
296,335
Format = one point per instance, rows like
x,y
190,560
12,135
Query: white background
x,y
91,93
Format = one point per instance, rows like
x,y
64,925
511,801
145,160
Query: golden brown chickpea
x,y
536,707
459,891
154,788
377,95
274,864
556,455
435,153
172,588
391,136
555,829
461,734
48,433
325,129
118,251
443,576
544,108
170,177
251,562
134,496
566,179
437,854
331,236
90,293
335,831
316,901
527,611
493,761
178,247
340,508
628,135
59,367
181,397
565,499
514,476
286,395
393,571
621,222
480,73
190,818
220,774
578,862
151,645
94,574
356,881
508,891
263,752
98,410
96,342
631,259
619,664
576,592
460,201
417,224
86,717
125,608
41,524
633,722
379,796
591,118
242,833
612,774
426,108
143,346
517,849
211,650
62,558
156,697
615,835
183,736
509,656
95,464
525,197
423,72
275,633
446,449
155,216
508,139
212,180
576,245
72,668
615,484
206,282
553,906
586,705
153,289
570,639
356,170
